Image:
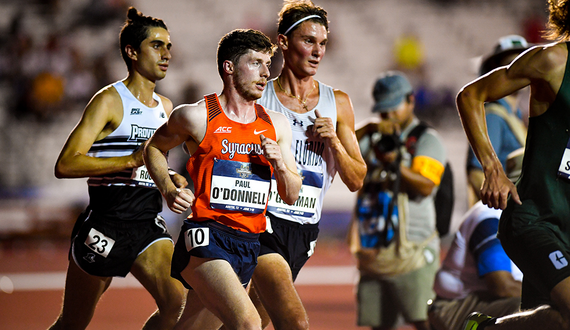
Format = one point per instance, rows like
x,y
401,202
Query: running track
x,y
32,275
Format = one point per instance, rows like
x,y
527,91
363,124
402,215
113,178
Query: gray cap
x,y
390,89
507,45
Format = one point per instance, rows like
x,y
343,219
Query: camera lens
x,y
387,143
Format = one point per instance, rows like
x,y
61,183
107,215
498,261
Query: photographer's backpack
x,y
444,198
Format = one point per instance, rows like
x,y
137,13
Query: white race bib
x,y
196,237
238,186
99,243
142,177
308,196
564,169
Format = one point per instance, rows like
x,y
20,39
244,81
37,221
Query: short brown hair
x,y
238,42
294,10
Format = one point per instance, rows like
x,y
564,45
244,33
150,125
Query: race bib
x,y
564,169
99,243
196,237
238,186
142,177
308,196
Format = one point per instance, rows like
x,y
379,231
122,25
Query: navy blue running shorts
x,y
212,240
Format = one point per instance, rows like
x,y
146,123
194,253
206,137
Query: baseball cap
x,y
390,89
507,45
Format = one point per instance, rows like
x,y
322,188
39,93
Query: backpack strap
x,y
516,125
414,136
444,198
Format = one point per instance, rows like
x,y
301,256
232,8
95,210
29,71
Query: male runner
x,y
235,146
121,232
324,143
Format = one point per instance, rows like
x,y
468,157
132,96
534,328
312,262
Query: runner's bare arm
x,y
278,153
101,117
181,127
470,105
178,179
341,139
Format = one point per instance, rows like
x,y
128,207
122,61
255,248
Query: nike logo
x,y
257,133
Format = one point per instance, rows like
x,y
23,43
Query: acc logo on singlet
x,y
223,129
140,133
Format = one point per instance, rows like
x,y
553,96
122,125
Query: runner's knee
x,y
172,303
253,322
292,323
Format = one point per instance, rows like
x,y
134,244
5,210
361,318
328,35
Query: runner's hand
x,y
137,155
496,190
271,151
323,127
179,200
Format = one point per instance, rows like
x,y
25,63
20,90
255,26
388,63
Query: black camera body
x,y
387,143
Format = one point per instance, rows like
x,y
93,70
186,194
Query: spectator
x,y
394,232
477,274
506,128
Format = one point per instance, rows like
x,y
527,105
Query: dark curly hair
x,y
294,10
558,26
238,42
135,30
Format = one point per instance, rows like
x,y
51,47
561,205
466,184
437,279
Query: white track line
x,y
311,275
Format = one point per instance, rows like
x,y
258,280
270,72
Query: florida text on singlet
x,y
231,176
129,194
315,163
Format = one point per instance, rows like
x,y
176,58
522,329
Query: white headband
x,y
301,21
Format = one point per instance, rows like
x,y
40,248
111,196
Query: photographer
x,y
393,232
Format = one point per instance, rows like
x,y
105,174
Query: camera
x,y
387,143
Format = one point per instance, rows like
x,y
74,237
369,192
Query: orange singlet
x,y
231,176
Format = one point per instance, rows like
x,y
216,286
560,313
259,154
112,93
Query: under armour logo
x,y
558,259
297,122
162,115
136,111
90,257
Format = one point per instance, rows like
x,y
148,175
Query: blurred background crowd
x,y
56,54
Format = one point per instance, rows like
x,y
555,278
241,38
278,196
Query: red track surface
x,y
330,307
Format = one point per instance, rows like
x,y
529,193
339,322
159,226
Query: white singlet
x,y
315,162
138,124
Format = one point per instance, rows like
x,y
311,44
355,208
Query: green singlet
x,y
536,234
